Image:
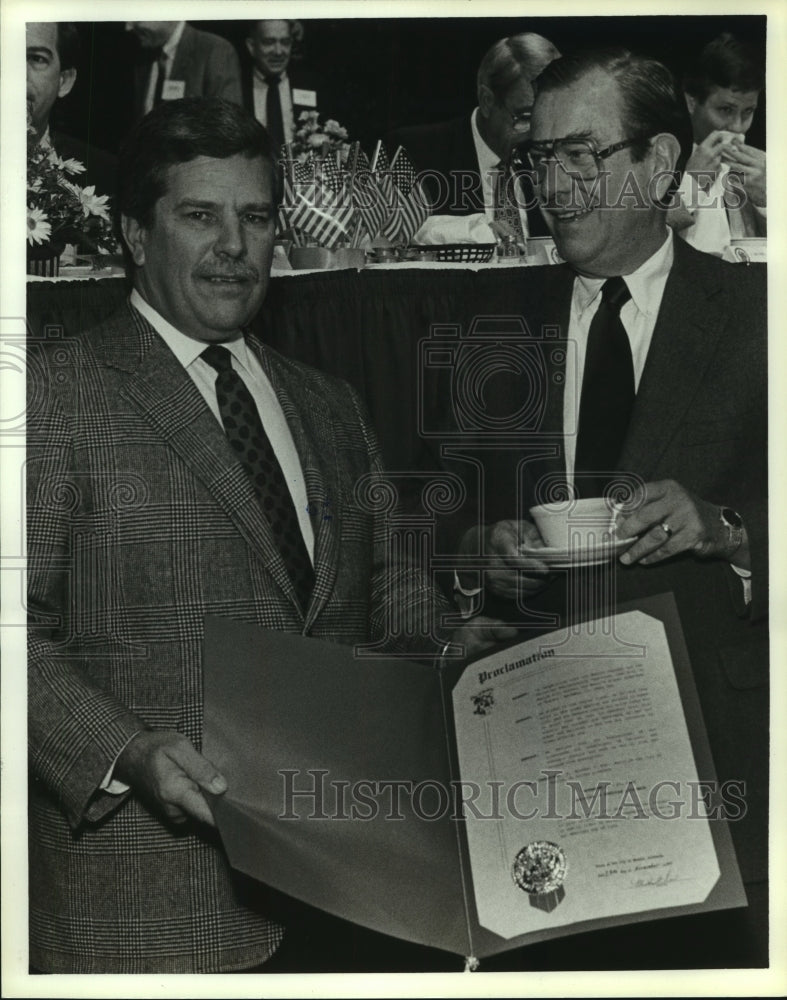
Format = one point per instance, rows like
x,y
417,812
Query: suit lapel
x,y
160,389
684,340
183,64
557,283
310,422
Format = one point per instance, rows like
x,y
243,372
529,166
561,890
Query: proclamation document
x,y
588,800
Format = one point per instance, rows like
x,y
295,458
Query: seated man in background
x,y
176,60
52,55
724,186
469,159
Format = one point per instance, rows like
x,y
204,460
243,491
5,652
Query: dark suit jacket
x,y
100,167
141,521
700,418
447,149
207,63
299,78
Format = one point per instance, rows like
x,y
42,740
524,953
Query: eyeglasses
x,y
520,120
577,157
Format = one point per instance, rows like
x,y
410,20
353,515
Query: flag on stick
x,y
412,206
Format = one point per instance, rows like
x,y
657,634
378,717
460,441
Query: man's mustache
x,y
236,273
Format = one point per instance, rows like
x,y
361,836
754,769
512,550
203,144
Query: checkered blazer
x,y
140,522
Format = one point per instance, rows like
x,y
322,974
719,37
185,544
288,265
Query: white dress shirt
x,y
168,50
638,317
488,168
260,88
187,350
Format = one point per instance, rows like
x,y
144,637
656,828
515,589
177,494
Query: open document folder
x,y
557,786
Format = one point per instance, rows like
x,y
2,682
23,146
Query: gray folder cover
x,y
288,714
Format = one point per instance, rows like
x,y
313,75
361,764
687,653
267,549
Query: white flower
x,y
334,128
38,228
93,204
72,166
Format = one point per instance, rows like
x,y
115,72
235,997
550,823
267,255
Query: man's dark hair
x,y
69,47
725,62
178,132
651,101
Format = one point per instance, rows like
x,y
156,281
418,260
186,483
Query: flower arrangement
x,y
312,138
58,210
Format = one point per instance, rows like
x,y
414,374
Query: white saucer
x,y
569,557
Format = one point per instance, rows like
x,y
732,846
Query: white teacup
x,y
576,524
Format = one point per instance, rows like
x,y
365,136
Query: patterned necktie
x,y
274,121
250,443
607,393
506,209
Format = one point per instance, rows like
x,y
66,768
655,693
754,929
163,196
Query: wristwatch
x,y
733,524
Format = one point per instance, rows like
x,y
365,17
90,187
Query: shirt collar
x,y
168,48
186,349
259,78
487,158
646,284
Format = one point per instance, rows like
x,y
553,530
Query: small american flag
x,y
333,176
368,196
379,159
324,215
412,206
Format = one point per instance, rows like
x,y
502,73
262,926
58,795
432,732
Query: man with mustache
x,y
178,468
656,374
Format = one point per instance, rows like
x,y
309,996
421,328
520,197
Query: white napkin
x,y
454,229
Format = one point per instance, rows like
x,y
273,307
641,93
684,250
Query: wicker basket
x,y
458,253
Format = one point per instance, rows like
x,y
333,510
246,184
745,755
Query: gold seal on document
x,y
539,868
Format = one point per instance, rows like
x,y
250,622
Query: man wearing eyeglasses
x,y
467,161
661,378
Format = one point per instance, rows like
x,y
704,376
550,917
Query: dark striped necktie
x,y
251,444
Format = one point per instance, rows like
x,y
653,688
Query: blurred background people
x,y
469,158
724,184
275,88
177,60
52,56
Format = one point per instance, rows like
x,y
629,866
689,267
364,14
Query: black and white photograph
x,y
390,426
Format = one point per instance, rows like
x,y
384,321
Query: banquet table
x,y
363,325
